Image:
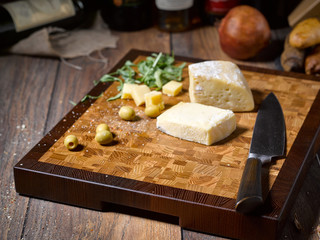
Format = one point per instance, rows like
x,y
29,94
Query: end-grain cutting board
x,y
149,170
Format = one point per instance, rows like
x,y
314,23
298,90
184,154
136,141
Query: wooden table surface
x,y
35,93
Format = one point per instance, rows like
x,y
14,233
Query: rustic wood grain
x,y
148,40
153,201
48,220
204,43
145,154
25,93
192,235
65,222
303,220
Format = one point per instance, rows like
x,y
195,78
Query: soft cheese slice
x,y
220,84
197,122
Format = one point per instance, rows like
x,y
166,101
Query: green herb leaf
x,y
72,102
155,71
157,76
114,97
90,97
109,78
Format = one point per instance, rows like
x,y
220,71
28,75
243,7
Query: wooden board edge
x,y
30,160
97,196
241,66
304,149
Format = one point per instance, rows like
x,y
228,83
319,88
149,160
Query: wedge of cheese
x,y
220,84
197,122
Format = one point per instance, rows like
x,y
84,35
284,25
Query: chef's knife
x,y
268,141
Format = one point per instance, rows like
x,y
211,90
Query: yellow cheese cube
x,y
138,93
154,98
172,88
127,90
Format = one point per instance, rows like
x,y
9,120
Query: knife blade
x,y
268,141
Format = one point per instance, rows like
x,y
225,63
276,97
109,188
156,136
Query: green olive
x,y
104,137
102,126
127,113
71,142
152,111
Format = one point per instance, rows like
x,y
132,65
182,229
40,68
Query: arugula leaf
x,y
110,78
155,71
157,76
90,97
72,102
115,97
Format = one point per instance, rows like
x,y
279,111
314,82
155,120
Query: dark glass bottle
x,y
174,16
127,15
19,19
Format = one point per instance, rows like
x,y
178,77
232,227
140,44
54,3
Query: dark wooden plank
x,y
191,235
204,43
26,87
150,39
67,222
304,218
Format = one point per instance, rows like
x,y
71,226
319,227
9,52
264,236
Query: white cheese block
x,y
197,122
220,84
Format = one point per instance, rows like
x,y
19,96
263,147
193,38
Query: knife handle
x,y
250,193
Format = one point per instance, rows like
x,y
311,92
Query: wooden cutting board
x,y
148,170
